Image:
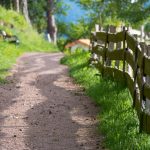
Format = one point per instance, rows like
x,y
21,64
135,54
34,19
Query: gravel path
x,y
41,108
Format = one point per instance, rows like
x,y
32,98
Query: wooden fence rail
x,y
120,56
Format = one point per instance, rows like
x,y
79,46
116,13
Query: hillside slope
x,y
14,24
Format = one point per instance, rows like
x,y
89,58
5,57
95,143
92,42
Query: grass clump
x,y
30,40
118,121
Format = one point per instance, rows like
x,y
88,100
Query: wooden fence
x,y
120,56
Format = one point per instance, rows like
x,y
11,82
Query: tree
x,y
51,25
6,3
16,5
55,7
45,13
114,11
24,5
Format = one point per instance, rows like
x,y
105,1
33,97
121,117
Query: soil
x,y
41,108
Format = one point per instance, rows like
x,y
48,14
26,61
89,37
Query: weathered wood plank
x,y
140,59
139,78
137,104
101,36
144,122
131,42
130,59
147,66
148,123
115,55
99,50
147,91
147,104
118,47
130,84
137,83
115,38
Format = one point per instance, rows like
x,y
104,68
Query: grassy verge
x,y
30,40
118,121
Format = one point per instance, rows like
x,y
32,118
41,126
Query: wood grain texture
x,y
133,54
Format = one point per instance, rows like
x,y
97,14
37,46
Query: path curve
x,y
41,108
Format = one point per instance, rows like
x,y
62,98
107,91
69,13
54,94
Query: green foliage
x,y
38,12
78,30
12,17
30,40
6,3
8,54
147,27
108,11
74,31
61,42
118,121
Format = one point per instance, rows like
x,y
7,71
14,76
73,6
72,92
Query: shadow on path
x,y
54,113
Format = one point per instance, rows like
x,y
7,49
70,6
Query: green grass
x,y
30,41
118,121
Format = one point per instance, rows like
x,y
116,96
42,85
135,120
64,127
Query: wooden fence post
x,y
118,47
142,97
135,73
147,105
124,48
129,68
142,34
112,29
133,53
104,59
97,28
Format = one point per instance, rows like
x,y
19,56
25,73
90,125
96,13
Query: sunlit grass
x,y
30,40
118,120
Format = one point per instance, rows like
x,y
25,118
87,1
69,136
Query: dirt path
x,y
41,109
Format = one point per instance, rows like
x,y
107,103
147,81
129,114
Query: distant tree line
x,y
133,12
42,13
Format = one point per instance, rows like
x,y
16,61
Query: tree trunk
x,y
25,10
16,5
6,3
51,25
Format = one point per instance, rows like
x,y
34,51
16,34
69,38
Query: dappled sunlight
x,y
64,82
48,111
53,101
15,124
53,71
39,64
82,120
85,133
80,115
